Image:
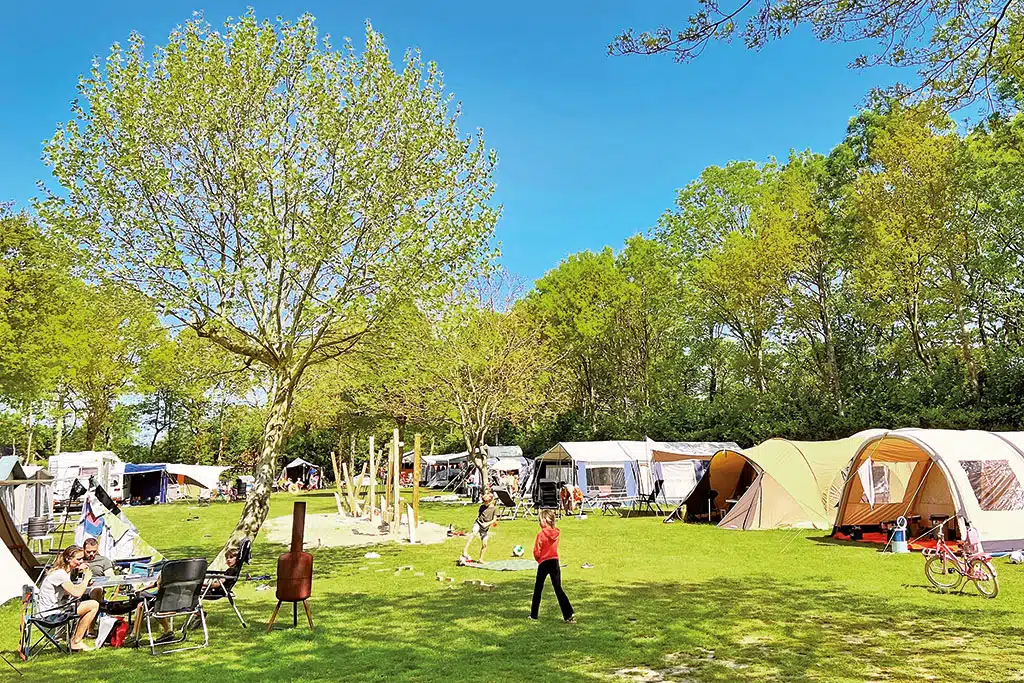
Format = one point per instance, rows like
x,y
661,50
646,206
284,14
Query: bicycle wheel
x,y
984,578
942,573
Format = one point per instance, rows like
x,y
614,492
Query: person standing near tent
x,y
486,518
545,551
58,591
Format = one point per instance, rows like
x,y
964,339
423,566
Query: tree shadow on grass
x,y
752,629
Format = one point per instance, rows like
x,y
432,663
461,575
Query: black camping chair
x,y
650,501
55,626
178,595
221,585
548,495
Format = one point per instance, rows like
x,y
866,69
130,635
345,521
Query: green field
x,y
693,603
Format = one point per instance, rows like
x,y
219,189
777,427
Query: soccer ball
x,y
517,551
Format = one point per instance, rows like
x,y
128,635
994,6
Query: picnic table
x,y
122,580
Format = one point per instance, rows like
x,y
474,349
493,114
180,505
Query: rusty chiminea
x,y
295,572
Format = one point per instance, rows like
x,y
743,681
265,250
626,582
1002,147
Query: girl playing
x,y
58,591
545,551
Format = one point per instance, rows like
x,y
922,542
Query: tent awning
x,y
144,468
673,451
206,476
11,470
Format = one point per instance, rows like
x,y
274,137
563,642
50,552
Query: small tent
x,y
300,470
928,475
25,490
780,483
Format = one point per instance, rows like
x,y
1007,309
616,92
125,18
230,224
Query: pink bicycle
x,y
948,571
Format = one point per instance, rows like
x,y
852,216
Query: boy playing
x,y
485,519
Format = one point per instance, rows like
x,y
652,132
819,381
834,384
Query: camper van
x,y
92,468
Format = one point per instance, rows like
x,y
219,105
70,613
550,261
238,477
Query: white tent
x,y
16,560
928,474
680,465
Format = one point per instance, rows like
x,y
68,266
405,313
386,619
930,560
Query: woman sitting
x,y
58,594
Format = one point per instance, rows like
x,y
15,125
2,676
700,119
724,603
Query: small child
x,y
485,519
545,551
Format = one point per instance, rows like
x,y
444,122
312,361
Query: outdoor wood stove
x,y
295,572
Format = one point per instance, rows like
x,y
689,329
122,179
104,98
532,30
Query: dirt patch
x,y
332,530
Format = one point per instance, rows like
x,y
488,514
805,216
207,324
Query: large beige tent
x,y
927,475
782,483
16,561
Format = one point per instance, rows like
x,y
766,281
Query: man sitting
x,y
97,564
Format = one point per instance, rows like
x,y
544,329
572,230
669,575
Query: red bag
x,y
118,634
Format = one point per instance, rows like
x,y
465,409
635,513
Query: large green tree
x,y
273,193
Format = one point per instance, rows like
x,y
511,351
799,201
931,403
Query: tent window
x,y
880,485
995,484
555,473
615,477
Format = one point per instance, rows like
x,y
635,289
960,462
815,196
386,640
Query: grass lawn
x,y
696,603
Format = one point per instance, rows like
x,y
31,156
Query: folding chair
x,y
509,509
55,626
178,595
650,501
228,579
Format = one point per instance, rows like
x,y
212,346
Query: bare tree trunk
x,y
257,505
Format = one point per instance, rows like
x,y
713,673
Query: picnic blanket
x,y
505,565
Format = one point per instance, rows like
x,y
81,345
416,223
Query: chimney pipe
x,y
298,526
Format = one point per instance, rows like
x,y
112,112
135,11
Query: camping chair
x,y
650,501
205,497
227,580
509,509
55,626
178,595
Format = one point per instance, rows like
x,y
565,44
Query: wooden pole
x,y
348,487
398,467
384,517
337,475
373,479
415,521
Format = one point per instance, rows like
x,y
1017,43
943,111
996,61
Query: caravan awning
x,y
11,472
206,476
673,451
144,468
299,462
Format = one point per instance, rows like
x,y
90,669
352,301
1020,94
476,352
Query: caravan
x,y
91,468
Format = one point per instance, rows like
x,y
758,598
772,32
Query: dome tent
x,y
973,476
781,483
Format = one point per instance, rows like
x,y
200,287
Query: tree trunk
x,y
31,425
92,430
257,505
58,425
223,436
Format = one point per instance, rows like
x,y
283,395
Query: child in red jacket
x,y
545,551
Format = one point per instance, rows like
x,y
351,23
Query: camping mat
x,y
505,565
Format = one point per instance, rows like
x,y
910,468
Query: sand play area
x,y
332,530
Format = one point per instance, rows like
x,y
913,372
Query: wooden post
x,y
373,479
337,475
397,448
415,522
387,482
348,487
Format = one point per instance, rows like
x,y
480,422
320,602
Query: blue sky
x,y
592,148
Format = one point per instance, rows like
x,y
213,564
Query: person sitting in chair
x,y
217,586
58,591
97,564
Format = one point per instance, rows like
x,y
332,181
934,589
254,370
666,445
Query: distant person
x,y
474,485
486,519
97,564
545,551
57,591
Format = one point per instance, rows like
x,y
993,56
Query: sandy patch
x,y
332,530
